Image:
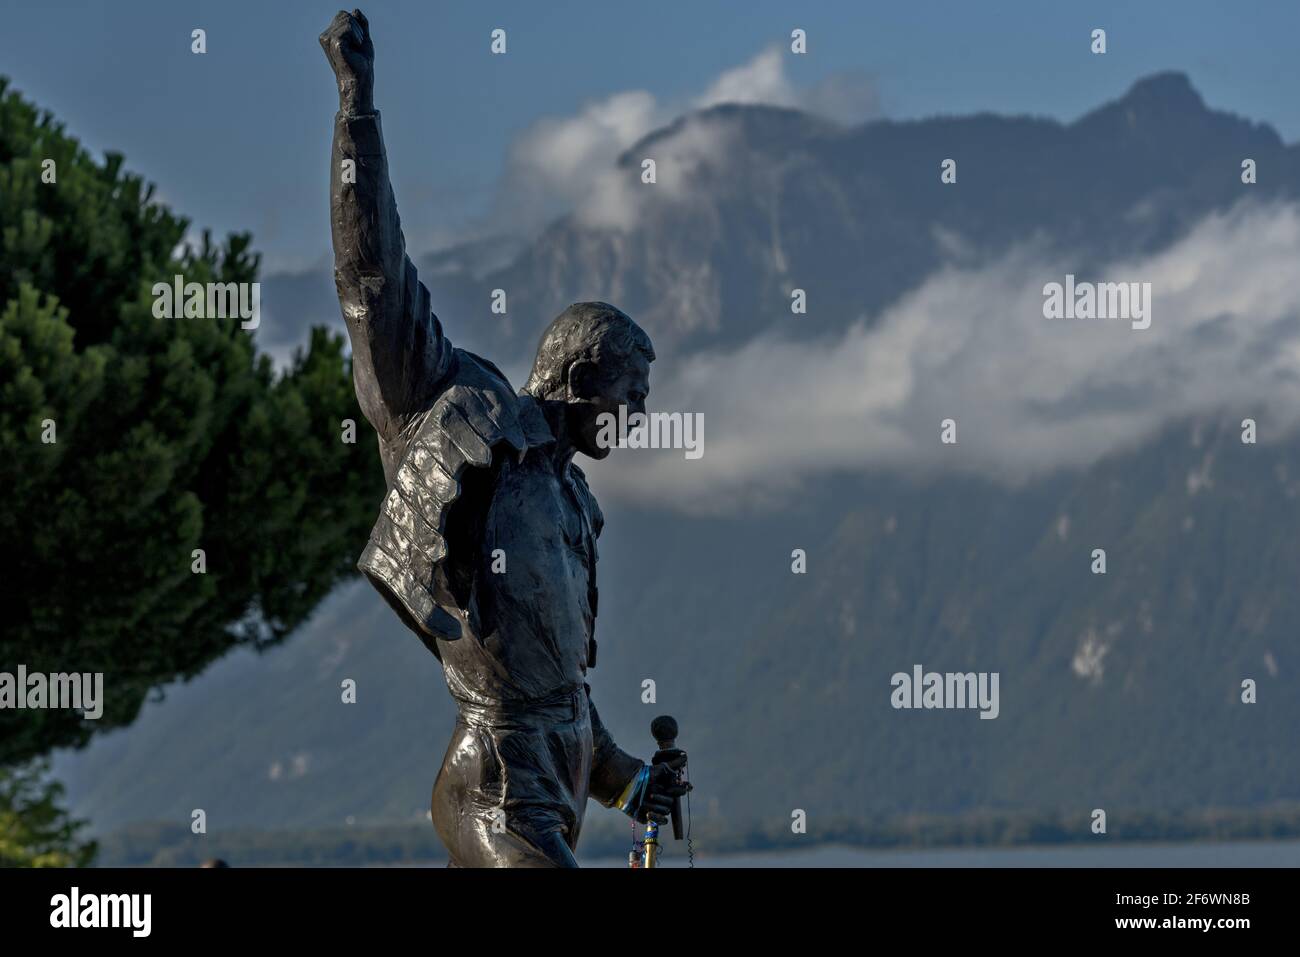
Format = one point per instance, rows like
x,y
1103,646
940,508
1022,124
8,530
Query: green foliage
x,y
171,435
34,831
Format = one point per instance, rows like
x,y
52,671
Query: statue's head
x,y
592,359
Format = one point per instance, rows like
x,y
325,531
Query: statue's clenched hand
x,y
351,55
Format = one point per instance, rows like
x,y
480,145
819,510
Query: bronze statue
x,y
486,542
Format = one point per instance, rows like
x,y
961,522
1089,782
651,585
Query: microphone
x,y
664,730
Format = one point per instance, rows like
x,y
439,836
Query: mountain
x,y
1119,690
778,199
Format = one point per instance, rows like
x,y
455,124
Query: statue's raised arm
x,y
400,357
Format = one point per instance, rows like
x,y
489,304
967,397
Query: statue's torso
x,y
529,626
523,741
489,555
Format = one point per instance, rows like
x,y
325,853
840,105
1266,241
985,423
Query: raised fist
x,y
351,55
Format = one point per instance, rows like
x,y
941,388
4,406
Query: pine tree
x,y
169,436
34,830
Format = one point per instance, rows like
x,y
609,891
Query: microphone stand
x,y
664,731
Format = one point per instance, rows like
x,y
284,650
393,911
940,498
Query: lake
x,y
1204,854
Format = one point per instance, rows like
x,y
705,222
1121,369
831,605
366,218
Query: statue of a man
x,y
486,542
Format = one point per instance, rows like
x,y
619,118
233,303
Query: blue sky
x,y
238,138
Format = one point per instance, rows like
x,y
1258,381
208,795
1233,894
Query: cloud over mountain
x,y
566,163
1029,395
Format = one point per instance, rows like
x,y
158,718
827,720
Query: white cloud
x,y
567,163
761,80
844,97
613,198
1030,395
553,164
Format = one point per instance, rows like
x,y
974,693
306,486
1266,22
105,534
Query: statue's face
x,y
600,392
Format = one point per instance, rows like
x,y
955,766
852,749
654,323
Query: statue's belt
x,y
567,705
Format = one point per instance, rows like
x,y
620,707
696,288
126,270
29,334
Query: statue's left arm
x,y
613,770
618,780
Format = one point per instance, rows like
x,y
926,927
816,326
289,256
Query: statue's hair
x,y
593,331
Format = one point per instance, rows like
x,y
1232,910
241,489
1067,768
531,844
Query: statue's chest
x,y
546,530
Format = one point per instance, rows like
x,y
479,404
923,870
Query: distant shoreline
x,y
172,845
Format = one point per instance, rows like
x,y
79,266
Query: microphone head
x,y
664,728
